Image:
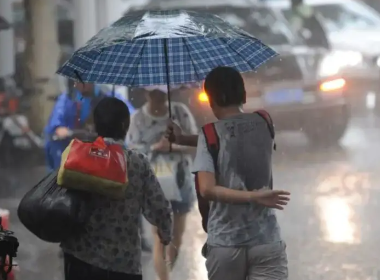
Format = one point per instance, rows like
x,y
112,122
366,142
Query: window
x,y
267,27
352,15
260,22
345,16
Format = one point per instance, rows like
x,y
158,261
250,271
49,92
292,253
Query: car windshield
x,y
260,22
345,16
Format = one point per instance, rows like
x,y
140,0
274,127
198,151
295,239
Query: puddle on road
x,y
337,202
337,220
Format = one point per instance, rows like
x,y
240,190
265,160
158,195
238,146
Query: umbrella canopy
x,y
164,47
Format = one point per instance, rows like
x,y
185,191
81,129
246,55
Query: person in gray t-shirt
x,y
244,239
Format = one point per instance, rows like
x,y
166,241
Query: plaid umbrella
x,y
164,47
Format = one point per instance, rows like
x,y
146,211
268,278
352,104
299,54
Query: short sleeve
x,y
186,119
203,160
135,133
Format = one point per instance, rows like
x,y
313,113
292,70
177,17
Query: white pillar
x,y
7,55
44,53
85,24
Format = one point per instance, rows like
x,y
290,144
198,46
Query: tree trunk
x,y
42,55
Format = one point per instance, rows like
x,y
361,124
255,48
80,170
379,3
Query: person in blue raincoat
x,y
71,111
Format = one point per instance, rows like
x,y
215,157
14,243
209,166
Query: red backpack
x,y
212,142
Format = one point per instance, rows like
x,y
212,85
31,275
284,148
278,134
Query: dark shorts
x,y
180,207
76,269
184,206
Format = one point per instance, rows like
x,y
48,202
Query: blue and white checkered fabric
x,y
139,63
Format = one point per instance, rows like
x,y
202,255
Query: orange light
x,y
333,85
202,97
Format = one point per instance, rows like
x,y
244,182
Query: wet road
x,y
330,226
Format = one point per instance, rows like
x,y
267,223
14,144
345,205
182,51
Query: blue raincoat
x,y
65,113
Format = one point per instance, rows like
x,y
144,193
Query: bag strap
x,y
212,142
268,119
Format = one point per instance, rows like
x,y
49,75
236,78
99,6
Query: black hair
x,y
111,118
225,87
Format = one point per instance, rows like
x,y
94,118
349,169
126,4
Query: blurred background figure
x,y
308,24
4,24
71,116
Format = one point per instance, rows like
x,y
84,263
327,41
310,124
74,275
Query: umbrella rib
x,y
242,57
77,77
136,68
191,58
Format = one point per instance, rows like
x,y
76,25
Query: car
x,y
374,4
353,30
292,87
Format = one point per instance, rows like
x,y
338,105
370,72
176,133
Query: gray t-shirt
x,y
244,163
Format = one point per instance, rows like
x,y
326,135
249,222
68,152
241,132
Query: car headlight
x,y
334,62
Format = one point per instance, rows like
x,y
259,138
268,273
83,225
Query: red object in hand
x,y
4,214
97,159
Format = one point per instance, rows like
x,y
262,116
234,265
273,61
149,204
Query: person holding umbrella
x,y
146,133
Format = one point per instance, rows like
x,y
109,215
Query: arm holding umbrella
x,y
174,134
186,138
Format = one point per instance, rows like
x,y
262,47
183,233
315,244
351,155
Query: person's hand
x,y
161,146
271,198
173,132
159,234
62,132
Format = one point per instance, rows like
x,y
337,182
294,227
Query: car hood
x,y
364,41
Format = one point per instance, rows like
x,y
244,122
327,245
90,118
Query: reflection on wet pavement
x,y
336,219
336,199
331,225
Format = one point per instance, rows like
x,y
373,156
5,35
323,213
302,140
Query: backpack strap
x,y
268,119
265,115
212,142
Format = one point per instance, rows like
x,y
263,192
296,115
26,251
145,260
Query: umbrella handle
x,y
168,83
167,74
